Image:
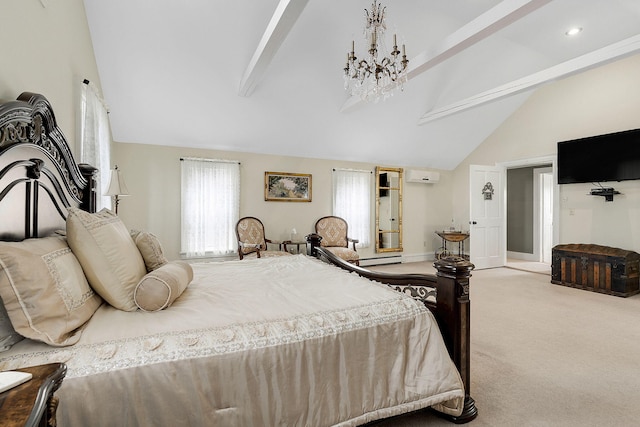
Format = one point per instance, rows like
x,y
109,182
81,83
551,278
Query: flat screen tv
x,y
602,158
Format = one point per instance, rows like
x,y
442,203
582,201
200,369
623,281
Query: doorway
x,y
529,218
538,205
481,252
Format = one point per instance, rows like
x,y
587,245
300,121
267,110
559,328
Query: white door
x,y
487,225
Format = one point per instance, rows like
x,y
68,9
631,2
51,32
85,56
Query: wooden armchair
x,y
334,233
252,242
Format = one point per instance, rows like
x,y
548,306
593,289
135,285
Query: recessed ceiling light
x,y
573,31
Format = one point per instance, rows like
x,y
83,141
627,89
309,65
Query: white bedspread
x,y
288,341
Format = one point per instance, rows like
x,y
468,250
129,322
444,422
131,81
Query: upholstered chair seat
x,y
252,242
346,254
334,233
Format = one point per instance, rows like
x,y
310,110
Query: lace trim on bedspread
x,y
90,359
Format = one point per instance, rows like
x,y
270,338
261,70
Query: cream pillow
x,y
160,288
44,290
150,249
109,257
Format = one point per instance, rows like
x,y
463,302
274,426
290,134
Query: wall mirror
x,y
388,209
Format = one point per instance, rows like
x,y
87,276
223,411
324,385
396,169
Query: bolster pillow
x,y
160,288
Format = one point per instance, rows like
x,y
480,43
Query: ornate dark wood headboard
x,y
39,179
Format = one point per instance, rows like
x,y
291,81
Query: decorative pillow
x,y
44,290
150,249
8,335
108,255
160,288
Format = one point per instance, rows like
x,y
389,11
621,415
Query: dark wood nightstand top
x,y
28,403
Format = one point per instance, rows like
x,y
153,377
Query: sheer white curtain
x,y
210,206
95,136
352,201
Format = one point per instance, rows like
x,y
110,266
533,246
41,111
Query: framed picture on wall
x,y
287,187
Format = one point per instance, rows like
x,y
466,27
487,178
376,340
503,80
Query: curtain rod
x,y
352,170
200,159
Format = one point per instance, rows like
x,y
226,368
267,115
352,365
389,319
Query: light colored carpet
x,y
546,355
533,267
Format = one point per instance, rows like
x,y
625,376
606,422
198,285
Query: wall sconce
x,y
117,187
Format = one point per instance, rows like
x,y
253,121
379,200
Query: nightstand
x,y
32,404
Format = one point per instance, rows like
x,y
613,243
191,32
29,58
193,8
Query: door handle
x,y
473,222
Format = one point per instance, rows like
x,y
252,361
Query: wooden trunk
x,y
596,268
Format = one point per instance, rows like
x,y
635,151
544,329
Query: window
x,y
95,137
210,206
352,201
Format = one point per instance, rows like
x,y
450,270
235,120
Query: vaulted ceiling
x,y
267,76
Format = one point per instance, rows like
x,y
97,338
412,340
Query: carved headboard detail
x,y
39,179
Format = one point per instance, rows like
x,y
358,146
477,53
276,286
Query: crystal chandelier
x,y
374,78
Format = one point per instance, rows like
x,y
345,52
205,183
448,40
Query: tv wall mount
x,y
606,192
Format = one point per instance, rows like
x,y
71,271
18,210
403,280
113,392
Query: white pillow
x,y
160,288
108,255
44,290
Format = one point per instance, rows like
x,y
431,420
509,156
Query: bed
x,y
297,341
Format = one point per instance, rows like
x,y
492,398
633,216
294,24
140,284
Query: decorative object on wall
x,y
487,190
287,187
373,78
117,188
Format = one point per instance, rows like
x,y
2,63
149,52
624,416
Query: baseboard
x,y
392,259
396,259
522,256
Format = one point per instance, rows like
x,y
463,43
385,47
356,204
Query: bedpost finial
x,y
454,266
314,240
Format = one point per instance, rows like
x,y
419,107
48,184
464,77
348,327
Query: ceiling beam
x,y
573,66
490,22
286,14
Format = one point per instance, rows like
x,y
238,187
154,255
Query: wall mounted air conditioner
x,y
427,177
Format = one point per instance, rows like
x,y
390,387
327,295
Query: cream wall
x,y
603,100
152,174
47,50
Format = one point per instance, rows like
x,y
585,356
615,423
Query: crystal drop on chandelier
x,y
375,78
